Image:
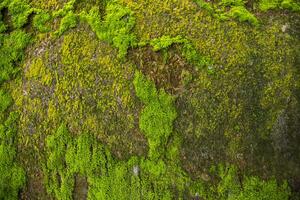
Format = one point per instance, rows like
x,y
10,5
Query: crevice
x,y
6,18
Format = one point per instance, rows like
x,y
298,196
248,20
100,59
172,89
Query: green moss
x,y
233,2
115,28
237,10
165,42
81,59
190,53
266,5
68,7
232,186
38,71
106,178
144,88
255,188
243,15
204,5
78,80
11,51
116,185
5,101
291,5
40,21
188,50
12,176
156,169
156,120
20,10
59,181
67,22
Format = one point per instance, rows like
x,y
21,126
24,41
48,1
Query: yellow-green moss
x,y
235,112
38,71
88,89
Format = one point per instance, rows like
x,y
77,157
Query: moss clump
x,y
11,51
232,2
5,101
190,53
38,71
156,119
20,11
59,181
243,15
231,186
165,42
107,178
67,22
145,89
115,28
219,121
80,81
40,21
68,7
12,45
188,50
12,175
266,5
237,10
256,188
205,5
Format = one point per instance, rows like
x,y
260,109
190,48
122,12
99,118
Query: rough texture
x,y
149,99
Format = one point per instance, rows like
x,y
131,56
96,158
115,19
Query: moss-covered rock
x,y
123,99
